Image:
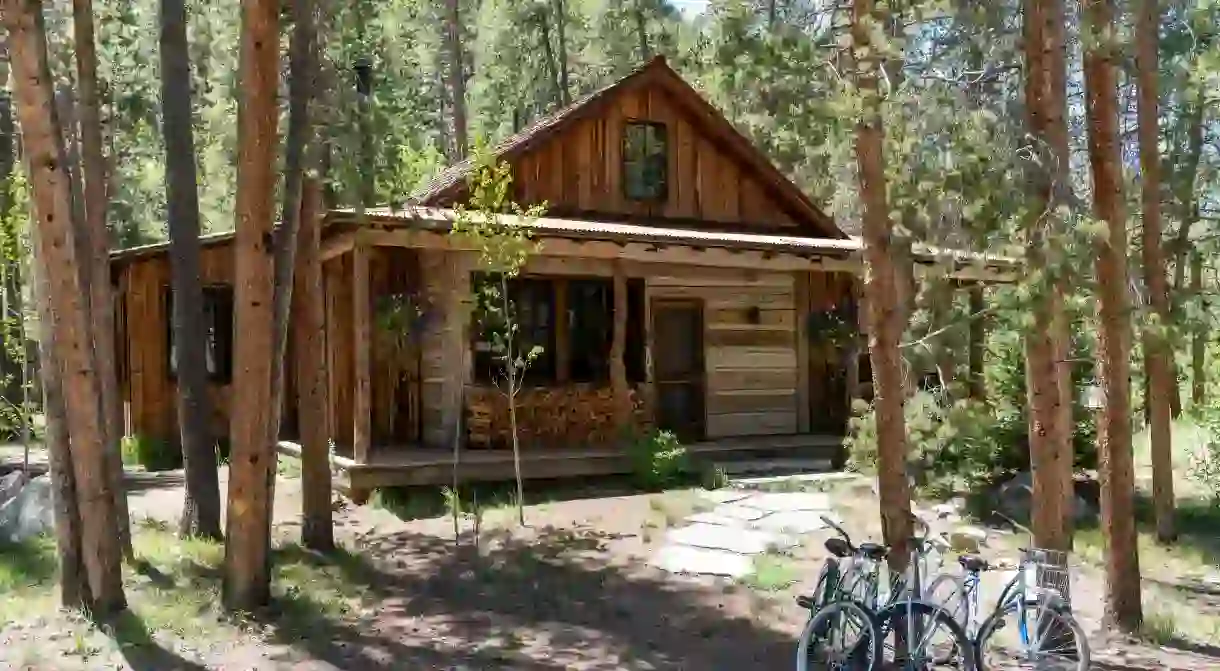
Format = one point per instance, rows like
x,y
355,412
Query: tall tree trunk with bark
x,y
885,317
561,25
1123,606
1198,338
68,304
73,580
201,508
97,237
1156,350
247,569
457,75
1048,377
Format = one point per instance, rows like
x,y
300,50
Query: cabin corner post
x,y
804,421
362,403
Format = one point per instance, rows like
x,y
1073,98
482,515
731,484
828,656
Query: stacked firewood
x,y
577,415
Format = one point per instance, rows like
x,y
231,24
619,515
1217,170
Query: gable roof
x,y
450,184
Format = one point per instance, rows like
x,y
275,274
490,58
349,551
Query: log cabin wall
x,y
143,322
579,171
750,340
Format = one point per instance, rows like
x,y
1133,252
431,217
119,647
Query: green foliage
x,y
151,453
1205,461
658,461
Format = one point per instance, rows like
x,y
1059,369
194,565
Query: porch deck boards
x,y
408,465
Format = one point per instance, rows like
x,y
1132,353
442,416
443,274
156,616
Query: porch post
x,y
362,406
618,348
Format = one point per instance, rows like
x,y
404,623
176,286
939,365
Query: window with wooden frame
x,y
645,161
218,321
591,330
532,302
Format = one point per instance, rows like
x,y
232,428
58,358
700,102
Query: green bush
x,y
658,461
1205,461
151,453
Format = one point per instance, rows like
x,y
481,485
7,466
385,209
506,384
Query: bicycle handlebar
x,y
841,531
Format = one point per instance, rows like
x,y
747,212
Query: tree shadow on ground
x,y
27,563
140,651
545,602
427,502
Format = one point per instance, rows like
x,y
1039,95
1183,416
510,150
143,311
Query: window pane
x,y
645,161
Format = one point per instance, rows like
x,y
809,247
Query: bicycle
x,y
1046,633
900,613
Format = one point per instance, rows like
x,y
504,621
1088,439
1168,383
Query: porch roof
x,y
440,220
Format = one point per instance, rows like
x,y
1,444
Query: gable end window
x,y
218,322
645,161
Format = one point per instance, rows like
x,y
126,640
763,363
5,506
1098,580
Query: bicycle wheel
x,y
947,590
919,636
842,636
1032,636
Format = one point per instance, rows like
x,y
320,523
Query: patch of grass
x,y
287,466
675,506
27,578
421,503
773,572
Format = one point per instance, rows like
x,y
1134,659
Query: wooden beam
x,y
337,245
803,381
362,404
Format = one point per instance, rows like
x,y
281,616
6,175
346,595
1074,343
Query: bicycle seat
x,y
838,547
806,602
874,551
973,563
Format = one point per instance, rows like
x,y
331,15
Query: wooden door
x,y
677,332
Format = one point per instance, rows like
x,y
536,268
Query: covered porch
x,y
702,333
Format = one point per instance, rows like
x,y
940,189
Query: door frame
x,y
658,304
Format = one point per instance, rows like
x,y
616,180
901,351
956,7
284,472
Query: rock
x,y
10,484
791,522
1015,498
30,512
968,539
740,541
738,512
723,495
788,501
703,561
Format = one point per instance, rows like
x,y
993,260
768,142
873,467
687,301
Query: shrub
x,y
151,453
658,460
1205,461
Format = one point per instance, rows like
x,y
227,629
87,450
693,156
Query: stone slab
x,y
703,561
722,495
738,512
791,522
715,537
776,502
719,520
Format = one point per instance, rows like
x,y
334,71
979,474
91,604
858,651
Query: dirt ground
x,y
571,591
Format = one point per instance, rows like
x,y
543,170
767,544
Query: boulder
x,y
10,484
30,512
968,539
1015,499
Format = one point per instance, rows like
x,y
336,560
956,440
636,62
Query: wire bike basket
x,y
1045,571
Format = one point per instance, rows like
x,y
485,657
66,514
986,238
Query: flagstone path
x,y
744,524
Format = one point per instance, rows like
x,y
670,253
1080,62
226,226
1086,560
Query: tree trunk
x,y
1188,203
457,75
309,324
978,343
884,316
1123,606
247,571
73,581
1159,373
1048,375
1198,338
561,24
201,507
68,304
641,28
618,345
101,303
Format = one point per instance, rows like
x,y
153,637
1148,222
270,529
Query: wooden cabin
x,y
674,285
